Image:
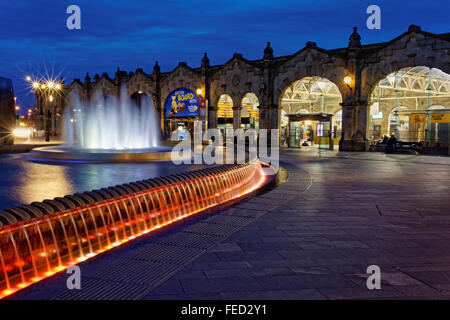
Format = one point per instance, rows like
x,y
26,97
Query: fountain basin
x,y
70,154
43,238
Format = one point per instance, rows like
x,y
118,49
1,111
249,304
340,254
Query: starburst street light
x,y
49,84
48,89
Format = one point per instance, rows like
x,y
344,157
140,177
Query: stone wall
x,y
268,77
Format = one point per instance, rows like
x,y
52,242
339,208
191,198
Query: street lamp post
x,y
44,91
48,118
347,80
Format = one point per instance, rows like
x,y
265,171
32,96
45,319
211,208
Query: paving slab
x,y
312,237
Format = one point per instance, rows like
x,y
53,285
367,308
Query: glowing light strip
x,y
33,250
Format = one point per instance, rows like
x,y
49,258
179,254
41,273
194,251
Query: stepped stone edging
x,y
25,212
46,237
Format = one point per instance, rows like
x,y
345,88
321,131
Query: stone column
x,y
268,111
264,115
354,111
363,118
212,110
345,143
354,126
212,117
268,119
361,134
236,117
275,117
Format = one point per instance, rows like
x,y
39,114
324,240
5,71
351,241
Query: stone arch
x,y
246,93
250,100
169,90
139,82
327,85
374,74
311,62
310,95
335,77
181,77
168,87
75,88
219,93
140,85
406,89
166,96
394,74
236,77
225,111
138,97
108,88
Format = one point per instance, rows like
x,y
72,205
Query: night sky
x,y
132,34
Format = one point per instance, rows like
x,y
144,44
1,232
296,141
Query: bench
x,y
408,147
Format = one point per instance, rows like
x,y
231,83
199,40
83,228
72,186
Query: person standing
x,y
311,136
391,144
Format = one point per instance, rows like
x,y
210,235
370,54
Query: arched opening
x,y
250,111
399,122
181,112
138,98
311,113
225,112
413,104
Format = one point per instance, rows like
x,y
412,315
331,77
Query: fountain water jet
x,y
107,129
110,123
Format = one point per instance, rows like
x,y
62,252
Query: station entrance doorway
x,y
311,130
311,113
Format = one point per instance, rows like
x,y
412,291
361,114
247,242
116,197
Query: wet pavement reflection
x,y
22,181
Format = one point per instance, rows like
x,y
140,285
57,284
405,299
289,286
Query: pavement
x,y
312,237
26,145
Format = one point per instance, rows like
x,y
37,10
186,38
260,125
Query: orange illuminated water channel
x,y
40,247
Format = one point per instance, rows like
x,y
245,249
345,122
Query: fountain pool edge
x,y
52,242
60,154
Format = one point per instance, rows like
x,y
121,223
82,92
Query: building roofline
x,y
366,51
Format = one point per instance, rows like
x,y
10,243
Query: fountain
x,y
107,129
43,238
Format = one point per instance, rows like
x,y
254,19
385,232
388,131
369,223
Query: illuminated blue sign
x,y
182,103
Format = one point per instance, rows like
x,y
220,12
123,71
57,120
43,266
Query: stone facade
x,y
268,77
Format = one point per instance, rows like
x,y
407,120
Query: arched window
x,y
313,94
225,111
403,103
250,111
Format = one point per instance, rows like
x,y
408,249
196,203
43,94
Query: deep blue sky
x,y
131,34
